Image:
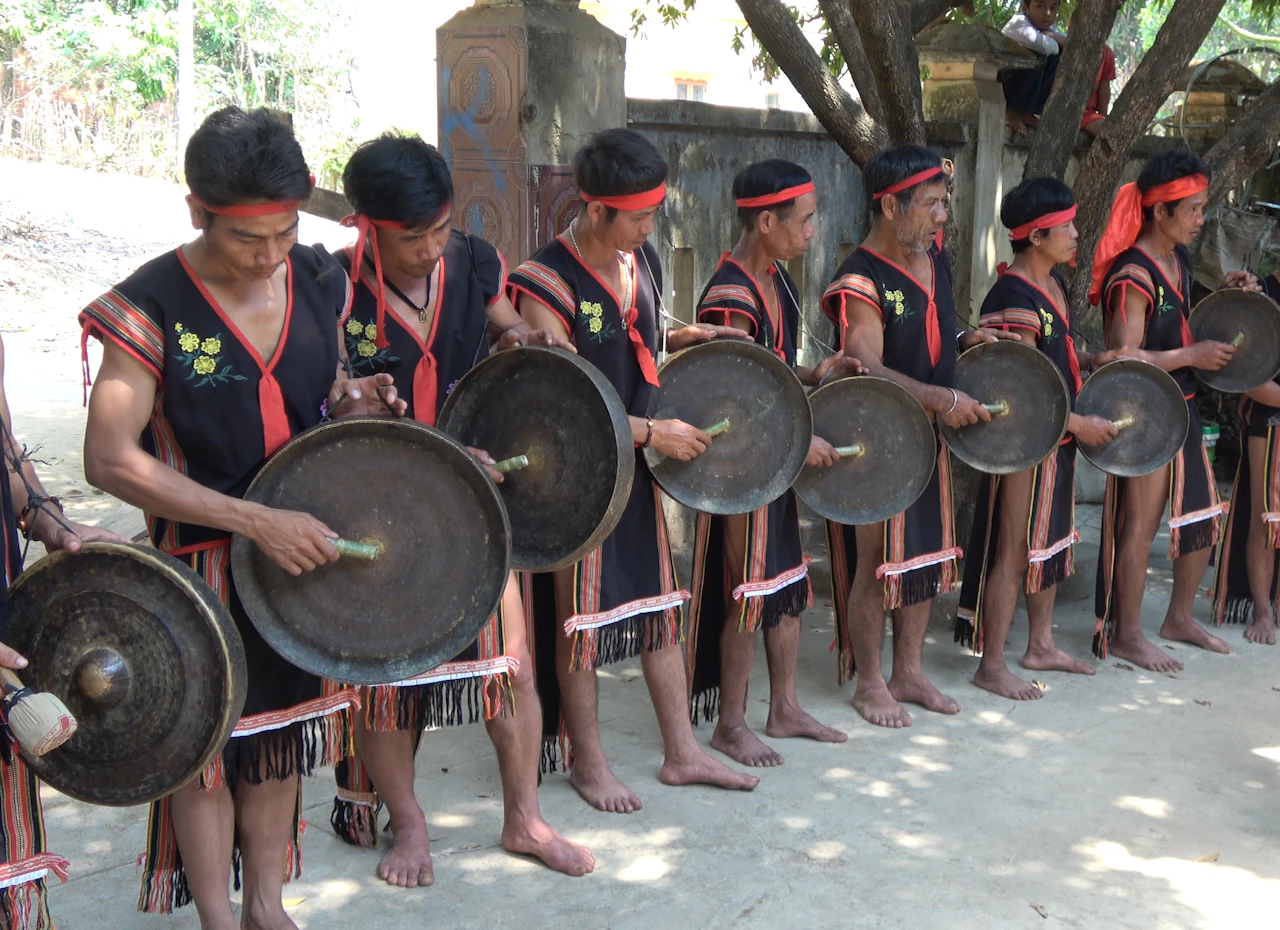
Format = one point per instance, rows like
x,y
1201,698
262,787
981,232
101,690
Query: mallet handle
x,y
10,679
851,451
999,408
352,549
1125,421
715,429
1238,339
515,463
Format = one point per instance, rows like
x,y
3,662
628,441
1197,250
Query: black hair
x,y
1165,166
763,178
238,156
398,177
618,162
1031,199
892,165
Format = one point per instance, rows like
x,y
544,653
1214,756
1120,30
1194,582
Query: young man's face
x,y
627,231
1057,243
1042,13
252,247
415,252
1183,224
788,236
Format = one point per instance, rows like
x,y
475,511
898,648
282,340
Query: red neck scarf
x,y
1125,222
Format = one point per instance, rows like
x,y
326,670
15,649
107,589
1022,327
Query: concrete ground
x,y
1126,800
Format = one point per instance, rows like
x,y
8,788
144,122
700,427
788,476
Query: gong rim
x,y
473,414
857,409
1003,446
1223,314
352,655
81,768
694,483
1129,386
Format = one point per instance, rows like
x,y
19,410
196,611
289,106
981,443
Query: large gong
x,y
1251,322
1028,401
1146,405
753,405
145,657
568,422
887,451
436,551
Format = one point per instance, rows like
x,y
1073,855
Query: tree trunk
x,y
847,122
1247,145
924,12
1077,73
1157,76
846,34
888,39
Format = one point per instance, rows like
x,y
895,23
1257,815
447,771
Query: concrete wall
x,y
706,146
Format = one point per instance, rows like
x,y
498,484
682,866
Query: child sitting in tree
x,y
1026,90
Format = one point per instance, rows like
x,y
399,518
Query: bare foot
x,y
603,790
265,917
744,747
1262,630
920,690
1003,682
535,837
877,706
701,769
1146,654
408,863
790,721
1030,120
1188,631
1055,660
1014,122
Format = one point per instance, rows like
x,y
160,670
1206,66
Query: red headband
x,y
782,196
1048,221
364,226
918,178
641,201
253,209
1125,222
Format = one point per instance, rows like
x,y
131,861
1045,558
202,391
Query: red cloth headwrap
x,y
918,178
782,196
1125,222
253,209
629,202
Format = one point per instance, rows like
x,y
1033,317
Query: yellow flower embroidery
x,y
594,324
178,327
1048,329
371,332
367,348
591,309
354,327
189,342
204,365
211,346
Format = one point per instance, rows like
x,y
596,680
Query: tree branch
x,y
1157,75
885,27
847,122
846,34
924,12
1248,144
1077,73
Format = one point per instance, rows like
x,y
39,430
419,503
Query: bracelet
x,y
27,518
648,436
955,399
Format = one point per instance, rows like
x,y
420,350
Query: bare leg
x,y
388,757
591,776
732,736
908,683
1094,127
1260,558
204,822
1000,592
264,817
865,629
1043,653
786,717
1188,572
517,738
684,761
1144,502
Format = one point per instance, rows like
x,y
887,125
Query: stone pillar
x,y
523,83
962,86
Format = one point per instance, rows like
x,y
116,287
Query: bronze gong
x,y
427,564
1147,407
887,451
145,657
1028,401
565,438
753,406
1247,320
